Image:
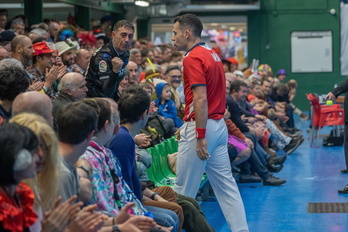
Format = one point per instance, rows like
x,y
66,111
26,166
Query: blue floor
x,y
312,175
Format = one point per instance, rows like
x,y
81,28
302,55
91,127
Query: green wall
x,y
269,33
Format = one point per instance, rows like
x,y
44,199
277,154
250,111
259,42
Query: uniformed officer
x,y
108,64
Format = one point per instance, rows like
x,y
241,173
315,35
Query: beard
x,y
68,62
27,60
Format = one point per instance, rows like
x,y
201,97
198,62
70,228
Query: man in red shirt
x,y
203,143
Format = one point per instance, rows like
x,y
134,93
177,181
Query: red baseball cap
x,y
233,60
41,48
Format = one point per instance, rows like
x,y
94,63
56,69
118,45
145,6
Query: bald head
x,y
18,40
132,67
33,102
82,58
22,49
73,84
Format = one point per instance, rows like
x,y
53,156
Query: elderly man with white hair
x,y
72,87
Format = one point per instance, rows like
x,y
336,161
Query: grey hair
x,y
66,84
157,67
10,62
158,49
16,21
39,31
134,51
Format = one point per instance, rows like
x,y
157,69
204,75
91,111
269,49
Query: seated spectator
x,y
67,50
18,147
54,27
82,59
76,126
165,105
110,191
41,32
66,32
226,65
239,74
4,54
281,140
124,84
152,74
34,102
135,56
87,40
46,184
254,93
13,81
5,40
72,87
3,19
234,64
43,69
133,106
18,26
292,88
264,70
176,58
22,50
281,75
173,76
132,67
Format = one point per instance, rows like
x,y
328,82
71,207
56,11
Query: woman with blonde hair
x,y
46,185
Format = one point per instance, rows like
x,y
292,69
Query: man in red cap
x,y
234,64
43,69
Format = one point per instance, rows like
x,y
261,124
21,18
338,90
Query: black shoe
x,y
277,161
270,152
273,181
292,130
344,190
274,168
344,170
294,143
249,179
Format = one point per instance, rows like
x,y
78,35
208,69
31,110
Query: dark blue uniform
x,y
101,80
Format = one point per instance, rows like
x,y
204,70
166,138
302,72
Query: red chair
x,y
323,116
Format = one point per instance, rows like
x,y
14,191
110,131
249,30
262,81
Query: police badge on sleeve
x,y
103,66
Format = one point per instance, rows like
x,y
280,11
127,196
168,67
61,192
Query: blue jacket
x,y
168,109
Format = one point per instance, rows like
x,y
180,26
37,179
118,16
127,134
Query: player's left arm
x,y
200,106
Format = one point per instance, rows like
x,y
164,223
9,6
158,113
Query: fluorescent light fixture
x,y
142,3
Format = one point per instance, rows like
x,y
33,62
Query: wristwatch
x,y
115,229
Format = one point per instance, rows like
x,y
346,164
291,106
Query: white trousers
x,y
190,170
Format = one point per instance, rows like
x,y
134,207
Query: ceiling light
x,y
142,3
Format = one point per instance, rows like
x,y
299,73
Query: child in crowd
x,y
166,106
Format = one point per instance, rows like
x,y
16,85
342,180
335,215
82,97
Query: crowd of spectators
x,y
78,109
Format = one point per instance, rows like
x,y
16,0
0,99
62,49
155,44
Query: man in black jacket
x,y
342,88
108,64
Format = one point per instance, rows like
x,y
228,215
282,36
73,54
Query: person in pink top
x,y
203,143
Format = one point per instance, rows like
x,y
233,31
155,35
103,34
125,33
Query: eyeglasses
x,y
174,76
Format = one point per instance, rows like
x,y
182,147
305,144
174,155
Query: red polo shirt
x,y
202,66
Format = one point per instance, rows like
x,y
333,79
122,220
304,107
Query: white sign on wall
x,y
311,51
